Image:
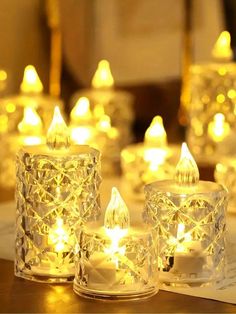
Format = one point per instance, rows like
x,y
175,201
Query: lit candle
x,y
31,82
190,215
111,266
103,77
222,50
57,191
146,162
218,128
82,123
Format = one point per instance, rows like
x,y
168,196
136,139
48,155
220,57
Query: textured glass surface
x,y
191,231
212,91
118,105
225,174
129,272
54,196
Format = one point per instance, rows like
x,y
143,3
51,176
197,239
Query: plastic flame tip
x,y
117,213
222,49
156,134
31,123
58,136
186,172
81,110
31,82
103,77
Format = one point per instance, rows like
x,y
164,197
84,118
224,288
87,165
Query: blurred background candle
x,y
148,161
115,260
56,192
212,104
117,104
190,217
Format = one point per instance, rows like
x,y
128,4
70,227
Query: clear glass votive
x,y
212,109
225,174
105,270
191,225
56,192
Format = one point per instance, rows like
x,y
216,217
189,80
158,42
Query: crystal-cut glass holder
x,y
107,272
117,104
225,174
138,171
212,91
55,194
191,226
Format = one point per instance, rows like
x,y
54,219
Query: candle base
x,y
113,296
44,278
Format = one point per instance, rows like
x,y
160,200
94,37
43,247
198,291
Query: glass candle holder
x,y
56,192
118,263
190,218
212,109
225,174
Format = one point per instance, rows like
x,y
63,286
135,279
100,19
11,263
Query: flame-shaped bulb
x,y
103,77
218,128
31,124
156,134
222,49
186,172
58,136
117,213
81,110
31,82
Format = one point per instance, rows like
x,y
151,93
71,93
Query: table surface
x,y
21,296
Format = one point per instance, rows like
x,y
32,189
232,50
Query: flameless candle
x,y
212,106
116,261
56,192
117,104
148,161
190,216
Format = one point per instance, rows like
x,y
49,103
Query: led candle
x,y
116,261
212,106
117,104
146,162
190,216
56,192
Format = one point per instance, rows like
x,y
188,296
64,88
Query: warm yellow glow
x,y
222,49
154,157
10,107
81,110
31,82
156,134
82,135
3,123
186,172
218,128
31,123
182,239
116,223
104,124
58,236
103,77
58,136
3,75
98,111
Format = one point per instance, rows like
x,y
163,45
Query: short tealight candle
x,y
190,218
56,192
115,261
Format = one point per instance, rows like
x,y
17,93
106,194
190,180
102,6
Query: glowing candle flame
x,y
218,128
58,237
82,135
31,122
103,77
116,223
104,124
58,136
81,110
222,49
31,82
156,134
186,172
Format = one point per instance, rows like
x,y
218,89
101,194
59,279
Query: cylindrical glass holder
x,y
127,273
191,226
55,194
212,91
225,174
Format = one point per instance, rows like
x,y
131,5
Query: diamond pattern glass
x,y
129,272
191,228
55,195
